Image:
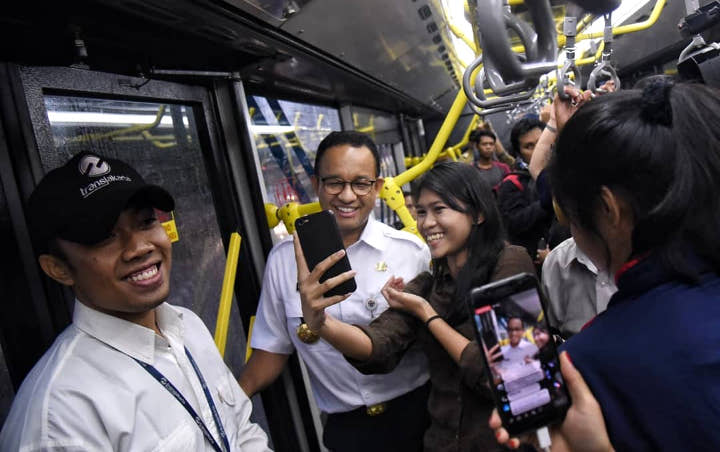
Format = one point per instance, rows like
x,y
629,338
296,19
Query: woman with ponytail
x,y
637,174
458,218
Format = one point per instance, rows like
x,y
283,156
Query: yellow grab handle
x,y
223,318
248,349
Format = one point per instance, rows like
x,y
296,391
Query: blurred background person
x,y
483,143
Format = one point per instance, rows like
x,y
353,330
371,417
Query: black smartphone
x,y
319,238
526,382
489,333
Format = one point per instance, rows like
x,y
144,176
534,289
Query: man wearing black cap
x,y
131,372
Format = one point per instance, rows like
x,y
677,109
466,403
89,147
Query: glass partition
x,y
383,127
161,141
286,137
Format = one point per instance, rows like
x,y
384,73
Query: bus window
x,y
161,141
286,137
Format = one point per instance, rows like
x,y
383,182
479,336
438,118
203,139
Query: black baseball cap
x,y
82,200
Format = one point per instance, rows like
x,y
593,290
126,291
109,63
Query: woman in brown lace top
x,y
458,218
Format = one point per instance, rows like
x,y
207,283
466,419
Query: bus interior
x,y
225,102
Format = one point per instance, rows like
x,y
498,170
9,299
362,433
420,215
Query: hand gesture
x,y
607,87
541,255
564,109
397,299
493,356
584,425
312,290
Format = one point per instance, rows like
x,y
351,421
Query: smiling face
x,y
541,337
515,331
445,230
126,275
349,164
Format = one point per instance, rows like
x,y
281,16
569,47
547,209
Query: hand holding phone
x,y
527,386
324,274
584,426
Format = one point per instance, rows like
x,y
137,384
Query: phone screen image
x,y
521,357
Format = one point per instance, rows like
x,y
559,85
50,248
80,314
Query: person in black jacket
x,y
526,220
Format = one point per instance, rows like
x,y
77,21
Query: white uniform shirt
x,y
517,355
87,393
380,253
576,290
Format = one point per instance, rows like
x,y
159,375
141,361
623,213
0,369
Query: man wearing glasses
x,y
519,349
364,412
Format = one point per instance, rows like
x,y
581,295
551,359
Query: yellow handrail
x,y
228,285
462,36
288,213
248,348
617,31
630,28
440,139
454,151
591,59
391,191
466,136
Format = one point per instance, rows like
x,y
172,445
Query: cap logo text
x,y
102,183
93,166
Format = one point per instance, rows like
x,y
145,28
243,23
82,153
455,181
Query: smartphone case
x,y
319,238
484,297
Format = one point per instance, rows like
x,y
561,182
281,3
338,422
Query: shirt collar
x,y
574,253
129,338
373,235
646,271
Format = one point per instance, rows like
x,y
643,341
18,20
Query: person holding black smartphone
x,y
458,217
364,412
637,174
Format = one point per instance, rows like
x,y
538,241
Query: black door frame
x,y
24,121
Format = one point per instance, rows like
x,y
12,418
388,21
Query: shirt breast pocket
x,y
224,393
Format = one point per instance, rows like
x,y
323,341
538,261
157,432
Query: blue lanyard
x,y
179,397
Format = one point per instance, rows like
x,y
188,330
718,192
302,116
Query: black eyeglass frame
x,y
361,192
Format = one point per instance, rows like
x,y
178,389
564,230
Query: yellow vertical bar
x,y
223,318
440,139
248,348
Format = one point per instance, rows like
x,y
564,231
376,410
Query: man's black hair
x,y
460,188
522,322
520,128
659,149
476,135
349,137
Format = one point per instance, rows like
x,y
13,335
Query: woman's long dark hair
x,y
461,188
659,149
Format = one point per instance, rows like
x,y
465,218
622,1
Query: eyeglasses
x,y
335,186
